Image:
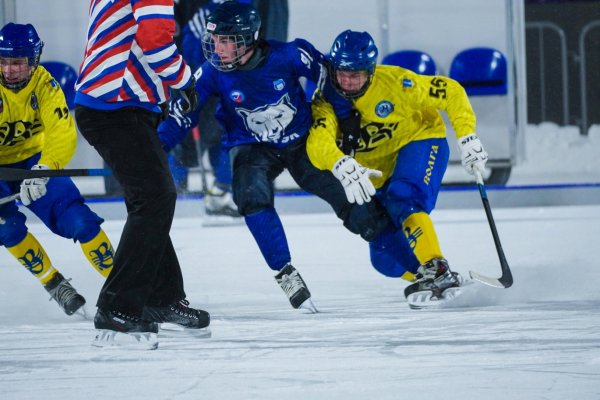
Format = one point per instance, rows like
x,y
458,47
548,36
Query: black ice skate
x,y
434,284
178,313
64,294
435,276
295,288
122,329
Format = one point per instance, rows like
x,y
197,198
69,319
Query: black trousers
x,y
255,167
146,270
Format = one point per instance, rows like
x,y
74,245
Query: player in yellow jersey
x,y
38,132
396,150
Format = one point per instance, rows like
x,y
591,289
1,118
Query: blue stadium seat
x,y
481,71
414,60
66,76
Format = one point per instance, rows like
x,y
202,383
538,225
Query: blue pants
x,y
413,187
62,210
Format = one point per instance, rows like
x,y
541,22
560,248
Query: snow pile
x,y
555,154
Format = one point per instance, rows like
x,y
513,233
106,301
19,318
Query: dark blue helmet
x,y
18,41
353,51
238,22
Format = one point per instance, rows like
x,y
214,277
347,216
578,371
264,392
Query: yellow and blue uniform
x,y
403,135
37,128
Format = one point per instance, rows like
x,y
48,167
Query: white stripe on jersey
x,y
151,10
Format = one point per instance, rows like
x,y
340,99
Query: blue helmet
x,y
17,41
353,51
238,21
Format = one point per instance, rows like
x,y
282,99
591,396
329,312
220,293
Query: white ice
x,y
537,340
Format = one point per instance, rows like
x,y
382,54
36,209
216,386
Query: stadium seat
x,y
414,60
481,71
66,77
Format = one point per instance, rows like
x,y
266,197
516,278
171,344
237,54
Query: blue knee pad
x,y
79,223
391,254
64,212
13,230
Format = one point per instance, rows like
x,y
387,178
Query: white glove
x,y
34,188
472,153
355,179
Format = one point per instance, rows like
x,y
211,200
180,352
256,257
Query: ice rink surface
x,y
538,340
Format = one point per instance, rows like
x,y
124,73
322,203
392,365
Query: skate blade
x,y
173,330
425,299
309,306
137,340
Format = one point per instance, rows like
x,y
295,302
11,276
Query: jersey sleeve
x,y
321,144
309,62
448,95
60,135
156,28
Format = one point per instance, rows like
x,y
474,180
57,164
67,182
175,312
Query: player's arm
x,y
324,153
448,95
156,28
175,128
60,134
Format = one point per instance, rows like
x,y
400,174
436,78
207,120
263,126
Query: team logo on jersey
x,y
1,105
236,96
279,84
268,123
384,108
407,83
34,101
54,84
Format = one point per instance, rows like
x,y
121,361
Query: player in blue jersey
x,y
266,120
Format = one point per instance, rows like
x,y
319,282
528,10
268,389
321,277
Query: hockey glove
x,y
472,153
35,188
355,179
189,97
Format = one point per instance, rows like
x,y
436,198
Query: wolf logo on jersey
x,y
268,123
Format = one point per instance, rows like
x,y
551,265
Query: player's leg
x,y
409,196
31,254
367,220
64,212
254,169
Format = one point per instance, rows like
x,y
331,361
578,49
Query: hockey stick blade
x,y
506,279
16,174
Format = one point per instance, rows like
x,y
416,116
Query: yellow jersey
x,y
36,119
399,107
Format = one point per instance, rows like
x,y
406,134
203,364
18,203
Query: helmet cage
x,y
353,51
242,46
233,22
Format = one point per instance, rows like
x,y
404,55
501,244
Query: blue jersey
x,y
265,105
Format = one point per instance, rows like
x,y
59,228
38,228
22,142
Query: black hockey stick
x,y
16,174
506,280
